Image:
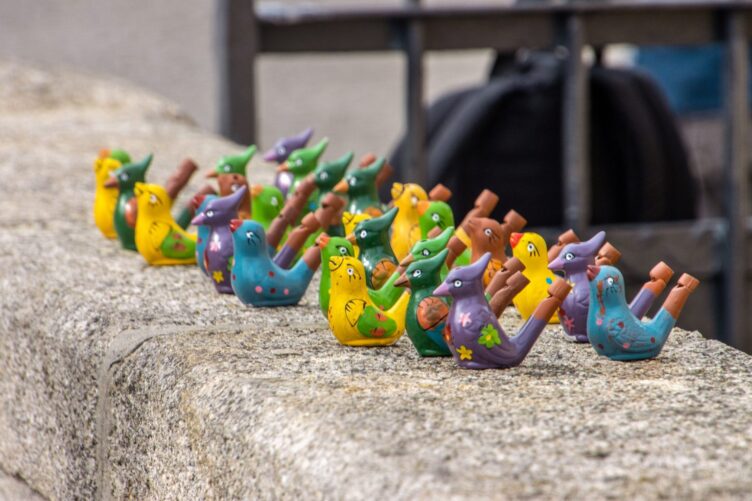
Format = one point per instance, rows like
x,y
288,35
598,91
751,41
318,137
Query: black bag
x,y
506,136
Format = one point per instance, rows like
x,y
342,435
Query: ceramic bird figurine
x,y
279,153
618,334
125,179
330,246
266,203
230,172
361,189
426,313
429,247
460,244
488,235
434,214
406,230
372,237
218,251
105,199
473,332
256,279
302,162
159,239
350,221
203,230
573,260
531,250
328,174
355,320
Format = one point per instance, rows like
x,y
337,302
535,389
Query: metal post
x,y
238,46
575,128
415,161
735,177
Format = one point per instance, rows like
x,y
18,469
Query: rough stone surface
x,y
12,489
144,383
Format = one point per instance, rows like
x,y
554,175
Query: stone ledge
x,y
239,402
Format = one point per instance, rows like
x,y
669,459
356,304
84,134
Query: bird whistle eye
x,y
235,224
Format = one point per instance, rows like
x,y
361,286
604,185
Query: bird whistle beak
x,y
256,190
322,240
351,238
556,265
111,183
104,153
423,206
212,173
402,281
341,187
283,167
235,224
407,260
592,272
270,156
198,220
514,239
441,290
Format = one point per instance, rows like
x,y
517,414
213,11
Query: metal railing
x,y
248,30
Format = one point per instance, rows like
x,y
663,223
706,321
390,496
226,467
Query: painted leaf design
x,y
431,312
375,323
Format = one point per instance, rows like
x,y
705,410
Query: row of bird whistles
x,y
388,269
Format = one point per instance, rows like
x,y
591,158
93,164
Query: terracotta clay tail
x,y
557,291
384,174
504,296
607,255
312,257
440,193
300,234
434,232
568,237
484,205
679,294
513,222
510,267
659,278
456,247
290,212
195,201
328,213
277,229
367,160
180,177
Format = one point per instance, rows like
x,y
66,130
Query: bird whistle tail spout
x,y
557,291
484,205
504,296
532,329
568,237
679,294
607,255
384,174
456,247
440,193
300,234
180,177
312,258
659,278
514,222
499,280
